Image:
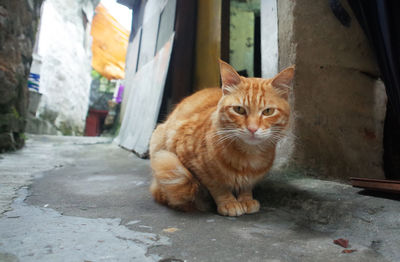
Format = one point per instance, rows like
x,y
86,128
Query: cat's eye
x,y
268,112
240,110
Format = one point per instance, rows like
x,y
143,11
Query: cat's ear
x,y
282,81
230,78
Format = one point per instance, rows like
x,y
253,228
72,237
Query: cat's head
x,y
254,110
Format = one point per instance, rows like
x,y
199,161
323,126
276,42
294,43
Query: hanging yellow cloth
x,y
110,42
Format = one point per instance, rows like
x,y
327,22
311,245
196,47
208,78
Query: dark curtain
x,y
380,20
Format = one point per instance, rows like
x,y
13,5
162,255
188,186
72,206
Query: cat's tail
x,y
172,184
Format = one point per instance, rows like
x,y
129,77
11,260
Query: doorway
x,y
241,36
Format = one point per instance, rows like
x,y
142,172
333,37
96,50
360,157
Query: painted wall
x,y
241,51
64,46
243,15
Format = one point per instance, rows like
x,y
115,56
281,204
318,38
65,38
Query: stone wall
x,y
18,24
338,101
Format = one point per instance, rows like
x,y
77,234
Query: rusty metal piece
x,y
348,251
341,242
392,186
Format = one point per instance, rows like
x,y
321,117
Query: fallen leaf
x,y
170,229
348,251
342,242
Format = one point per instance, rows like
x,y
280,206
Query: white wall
x,y
65,48
269,38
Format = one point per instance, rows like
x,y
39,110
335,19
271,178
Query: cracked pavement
x,y
86,199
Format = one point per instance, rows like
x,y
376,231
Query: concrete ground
x,y
86,199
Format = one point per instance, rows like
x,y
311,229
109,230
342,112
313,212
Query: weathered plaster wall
x,y
18,24
338,102
64,45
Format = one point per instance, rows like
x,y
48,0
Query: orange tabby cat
x,y
220,139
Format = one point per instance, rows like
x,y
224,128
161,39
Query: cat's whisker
x,y
219,133
224,138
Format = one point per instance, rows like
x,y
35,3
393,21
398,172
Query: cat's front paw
x,y
231,208
250,205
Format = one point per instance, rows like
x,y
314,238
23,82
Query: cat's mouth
x,y
252,139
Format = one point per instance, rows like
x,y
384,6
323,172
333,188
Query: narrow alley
x,y
309,97
86,199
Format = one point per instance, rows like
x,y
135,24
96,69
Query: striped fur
x,y
206,143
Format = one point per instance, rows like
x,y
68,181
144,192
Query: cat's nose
x,y
252,129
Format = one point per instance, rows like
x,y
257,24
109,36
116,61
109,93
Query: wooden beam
x,y
208,44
